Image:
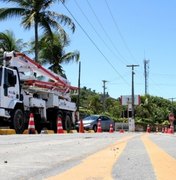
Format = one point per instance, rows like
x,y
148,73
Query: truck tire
x,y
95,128
19,121
68,123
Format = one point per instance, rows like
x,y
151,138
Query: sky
x,y
111,34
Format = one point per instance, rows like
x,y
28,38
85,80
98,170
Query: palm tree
x,y
8,42
52,51
36,14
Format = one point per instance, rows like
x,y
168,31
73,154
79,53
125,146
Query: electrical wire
x,y
120,34
107,35
118,30
94,44
98,34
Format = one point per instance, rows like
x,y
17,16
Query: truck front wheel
x,y
68,123
19,121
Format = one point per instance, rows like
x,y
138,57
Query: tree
x,y
36,14
113,107
53,51
153,109
95,104
145,109
8,42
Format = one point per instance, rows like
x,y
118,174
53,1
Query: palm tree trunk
x,y
36,40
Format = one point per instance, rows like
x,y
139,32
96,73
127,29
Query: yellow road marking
x,y
7,131
97,166
163,164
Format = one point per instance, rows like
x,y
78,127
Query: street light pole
x,y
132,88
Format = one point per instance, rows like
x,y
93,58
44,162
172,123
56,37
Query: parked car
x,y
91,123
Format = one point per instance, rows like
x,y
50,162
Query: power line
x,y
107,35
99,22
94,44
98,34
118,30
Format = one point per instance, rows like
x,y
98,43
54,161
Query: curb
x,y
7,131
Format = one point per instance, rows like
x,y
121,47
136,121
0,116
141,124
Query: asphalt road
x,y
96,156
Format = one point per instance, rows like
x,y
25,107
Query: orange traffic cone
x,y
59,125
111,130
169,131
31,125
148,128
172,129
99,130
81,127
165,130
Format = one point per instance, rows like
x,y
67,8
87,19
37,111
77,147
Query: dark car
x,y
91,122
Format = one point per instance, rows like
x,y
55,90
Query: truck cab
x,y
9,90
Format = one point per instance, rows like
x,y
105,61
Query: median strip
x,y
96,166
164,165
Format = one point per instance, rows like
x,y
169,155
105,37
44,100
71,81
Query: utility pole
x,y
79,75
132,87
146,73
172,100
104,88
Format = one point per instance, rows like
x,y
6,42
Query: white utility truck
x,y
27,87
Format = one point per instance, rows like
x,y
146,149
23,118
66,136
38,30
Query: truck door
x,y
11,88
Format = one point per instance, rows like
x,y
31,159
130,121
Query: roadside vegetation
x,y
152,110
